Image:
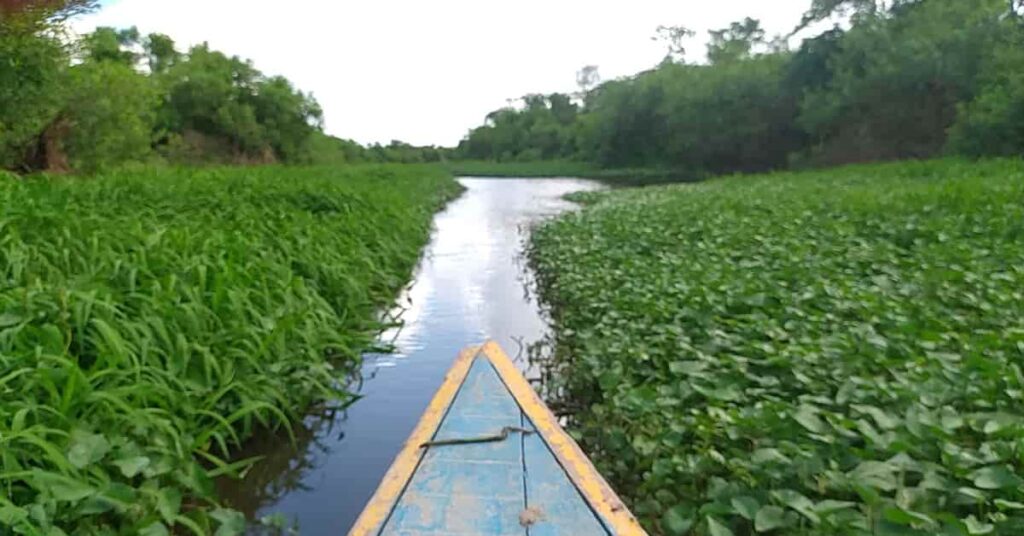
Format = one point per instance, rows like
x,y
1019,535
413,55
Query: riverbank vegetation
x,y
151,321
902,79
536,168
834,352
116,97
568,168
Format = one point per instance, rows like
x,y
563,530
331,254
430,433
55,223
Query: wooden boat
x,y
487,458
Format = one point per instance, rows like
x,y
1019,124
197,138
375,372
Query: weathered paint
x,y
469,488
401,471
554,496
580,471
538,484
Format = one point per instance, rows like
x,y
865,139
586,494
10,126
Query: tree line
x,y
116,96
902,79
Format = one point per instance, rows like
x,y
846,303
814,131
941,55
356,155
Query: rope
x,y
493,438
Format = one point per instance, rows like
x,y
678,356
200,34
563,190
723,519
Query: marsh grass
x,y
150,322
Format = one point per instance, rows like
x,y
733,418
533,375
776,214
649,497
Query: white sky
x,y
426,71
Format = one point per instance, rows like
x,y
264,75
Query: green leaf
x,y
60,487
976,494
716,528
9,319
1009,505
724,393
1000,422
746,506
977,527
168,503
875,474
769,518
882,419
677,520
87,449
11,515
132,466
232,522
687,368
155,528
768,455
277,520
829,505
906,517
95,505
807,416
995,477
797,502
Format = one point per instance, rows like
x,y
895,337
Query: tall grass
x,y
831,352
150,322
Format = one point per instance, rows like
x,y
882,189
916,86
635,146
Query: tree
x,y
33,65
993,122
110,114
587,78
32,72
674,38
233,112
721,118
160,52
736,42
288,118
34,15
109,44
562,108
824,9
543,128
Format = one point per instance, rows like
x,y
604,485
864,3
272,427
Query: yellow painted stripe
x,y
595,490
383,501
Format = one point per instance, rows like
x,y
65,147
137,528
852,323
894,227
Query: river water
x,y
471,285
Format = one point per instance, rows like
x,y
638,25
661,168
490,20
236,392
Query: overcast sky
x,y
425,71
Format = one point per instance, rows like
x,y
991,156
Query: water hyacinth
x,y
151,321
834,352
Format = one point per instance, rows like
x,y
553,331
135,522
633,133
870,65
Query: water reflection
x,y
469,287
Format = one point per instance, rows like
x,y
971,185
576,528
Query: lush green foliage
x,y
30,82
732,116
889,87
821,353
110,112
570,168
115,96
543,129
994,122
151,322
226,98
896,80
537,168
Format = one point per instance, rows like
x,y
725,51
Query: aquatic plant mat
x,y
831,352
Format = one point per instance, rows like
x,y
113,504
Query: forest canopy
x,y
897,79
901,79
116,96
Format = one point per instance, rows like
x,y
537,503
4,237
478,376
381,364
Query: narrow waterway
x,y
471,285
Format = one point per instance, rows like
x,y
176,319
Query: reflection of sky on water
x,y
468,288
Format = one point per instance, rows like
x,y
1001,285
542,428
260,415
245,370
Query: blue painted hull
x,y
487,468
